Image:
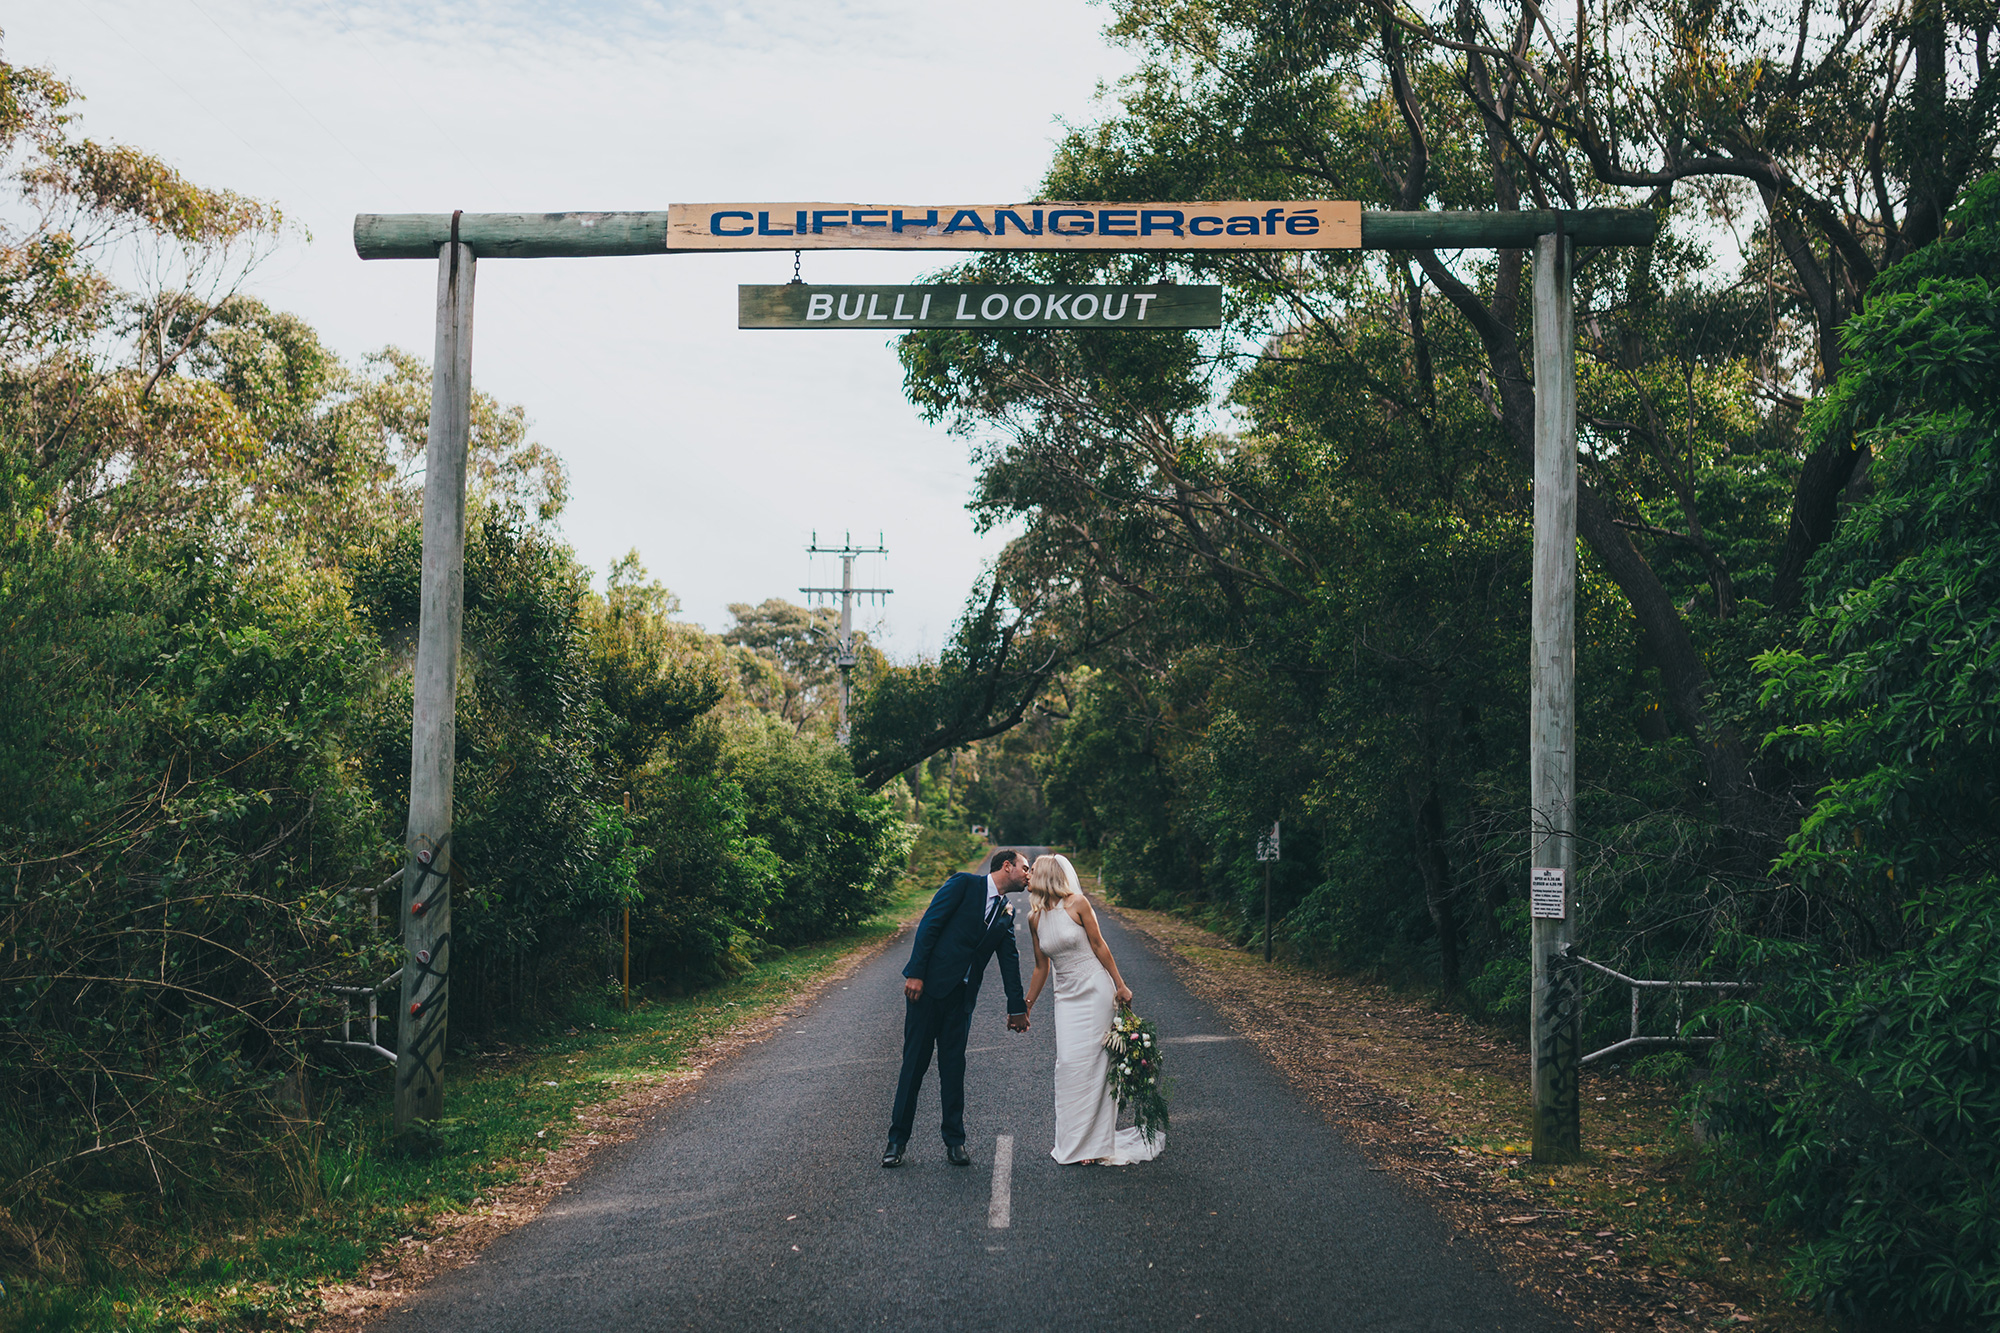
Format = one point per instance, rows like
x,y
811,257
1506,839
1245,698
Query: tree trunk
x,y
1683,674
1434,864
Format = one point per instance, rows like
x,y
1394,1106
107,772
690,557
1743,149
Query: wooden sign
x,y
797,305
1295,224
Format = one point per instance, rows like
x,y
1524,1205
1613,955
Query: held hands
x,y
1017,1022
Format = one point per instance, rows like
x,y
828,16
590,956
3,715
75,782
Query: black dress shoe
x,y
955,1154
893,1154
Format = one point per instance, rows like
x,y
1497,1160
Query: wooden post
x,y
1556,1029
1267,911
427,869
628,926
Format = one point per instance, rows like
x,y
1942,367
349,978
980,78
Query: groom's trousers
x,y
943,1022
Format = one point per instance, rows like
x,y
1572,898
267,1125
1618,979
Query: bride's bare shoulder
x,y
1076,905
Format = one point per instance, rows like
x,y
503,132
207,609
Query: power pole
x,y
1555,1020
847,550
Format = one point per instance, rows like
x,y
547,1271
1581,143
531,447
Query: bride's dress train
x,y
1086,1115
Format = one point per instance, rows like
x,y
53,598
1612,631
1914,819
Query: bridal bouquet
x,y
1134,1077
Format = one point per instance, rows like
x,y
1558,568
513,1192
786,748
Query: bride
x,y
1088,987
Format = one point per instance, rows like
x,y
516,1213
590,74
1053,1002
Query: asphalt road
x,y
759,1201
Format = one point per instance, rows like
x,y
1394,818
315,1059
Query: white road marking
x,y
1000,1212
1193,1040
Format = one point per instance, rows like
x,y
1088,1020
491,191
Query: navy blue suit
x,y
954,943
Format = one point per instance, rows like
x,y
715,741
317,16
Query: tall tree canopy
x,y
1793,152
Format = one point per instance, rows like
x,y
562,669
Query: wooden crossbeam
x,y
585,235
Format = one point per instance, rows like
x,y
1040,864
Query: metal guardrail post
x,y
1680,988
374,992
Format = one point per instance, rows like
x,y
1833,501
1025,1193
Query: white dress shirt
x,y
991,894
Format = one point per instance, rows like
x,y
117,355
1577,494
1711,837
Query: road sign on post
x,y
1267,852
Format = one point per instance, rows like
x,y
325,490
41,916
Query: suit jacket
x,y
954,943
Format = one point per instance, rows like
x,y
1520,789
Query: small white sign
x,y
1267,845
979,830
1545,893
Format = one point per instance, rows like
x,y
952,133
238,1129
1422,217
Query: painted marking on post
x,y
1000,1212
1267,845
1228,224
1545,893
796,305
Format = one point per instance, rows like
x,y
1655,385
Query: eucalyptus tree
x,y
1792,151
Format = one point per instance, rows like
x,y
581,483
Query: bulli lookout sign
x,y
796,305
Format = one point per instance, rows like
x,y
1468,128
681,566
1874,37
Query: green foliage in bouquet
x,y
1135,1076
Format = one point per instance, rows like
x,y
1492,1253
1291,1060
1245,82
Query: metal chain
x,y
795,268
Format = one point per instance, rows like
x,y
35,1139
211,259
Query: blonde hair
x,y
1048,882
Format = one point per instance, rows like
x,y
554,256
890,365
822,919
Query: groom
x,y
966,924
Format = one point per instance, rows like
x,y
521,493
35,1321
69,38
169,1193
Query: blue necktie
x,y
992,915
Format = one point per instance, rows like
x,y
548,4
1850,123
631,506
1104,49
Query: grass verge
x,y
373,1214
1630,1237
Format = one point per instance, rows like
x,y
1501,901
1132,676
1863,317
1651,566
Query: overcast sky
x,y
715,451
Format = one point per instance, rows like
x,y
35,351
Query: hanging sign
x,y
1545,893
1267,845
798,305
1260,224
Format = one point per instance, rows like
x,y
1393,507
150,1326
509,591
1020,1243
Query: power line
x,y
325,129
183,90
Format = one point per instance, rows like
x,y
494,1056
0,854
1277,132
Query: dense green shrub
x,y
838,847
1866,1086
183,813
541,846
1864,1100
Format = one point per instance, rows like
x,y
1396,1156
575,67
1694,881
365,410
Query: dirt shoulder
x,y
1626,1239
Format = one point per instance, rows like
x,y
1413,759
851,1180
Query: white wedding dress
x,y
1086,1116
